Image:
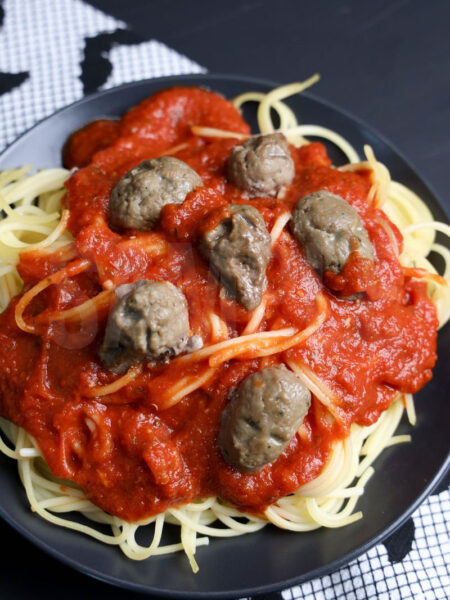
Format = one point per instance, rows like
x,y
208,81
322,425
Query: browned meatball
x,y
329,229
148,321
137,199
239,250
262,165
262,417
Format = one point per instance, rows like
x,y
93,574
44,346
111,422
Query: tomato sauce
x,y
132,457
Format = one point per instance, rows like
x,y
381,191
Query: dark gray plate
x,y
271,559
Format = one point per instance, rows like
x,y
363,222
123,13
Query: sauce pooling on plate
x,y
131,450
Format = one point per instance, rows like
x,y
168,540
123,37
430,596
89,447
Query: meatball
x,y
329,229
239,250
148,321
262,165
262,417
137,199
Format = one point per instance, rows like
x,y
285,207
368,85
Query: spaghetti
x,y
69,289
32,220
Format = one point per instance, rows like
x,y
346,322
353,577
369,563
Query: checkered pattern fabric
x,y
423,574
45,41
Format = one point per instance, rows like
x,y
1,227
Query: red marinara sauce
x,y
132,456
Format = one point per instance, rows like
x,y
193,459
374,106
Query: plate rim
x,y
319,571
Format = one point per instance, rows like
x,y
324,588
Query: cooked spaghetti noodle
x,y
32,220
35,223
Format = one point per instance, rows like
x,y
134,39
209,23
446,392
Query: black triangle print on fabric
x,y
399,544
8,81
96,66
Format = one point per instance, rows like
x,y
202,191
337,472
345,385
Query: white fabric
x,y
46,38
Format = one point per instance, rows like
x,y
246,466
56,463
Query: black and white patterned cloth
x,y
52,52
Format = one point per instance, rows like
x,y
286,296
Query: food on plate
x,y
138,198
149,321
262,165
238,249
331,233
207,328
261,418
